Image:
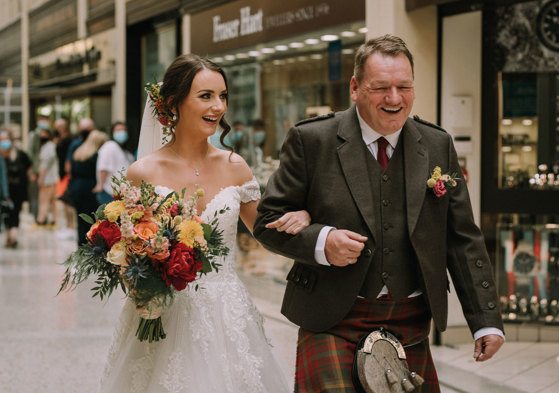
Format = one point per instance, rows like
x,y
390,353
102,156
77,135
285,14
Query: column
x,y
119,88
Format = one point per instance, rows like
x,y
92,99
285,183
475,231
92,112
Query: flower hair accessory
x,y
160,109
440,183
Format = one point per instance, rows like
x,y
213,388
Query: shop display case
x,y
528,272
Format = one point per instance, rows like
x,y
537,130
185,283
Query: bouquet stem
x,y
150,330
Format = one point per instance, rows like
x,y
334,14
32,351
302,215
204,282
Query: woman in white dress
x,y
215,341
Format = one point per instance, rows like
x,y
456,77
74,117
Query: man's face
x,y
385,94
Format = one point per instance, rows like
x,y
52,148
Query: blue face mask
x,y
42,124
120,136
259,137
5,144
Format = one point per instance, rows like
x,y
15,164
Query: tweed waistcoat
x,y
394,262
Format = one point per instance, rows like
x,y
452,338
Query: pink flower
x,y
173,210
163,120
439,188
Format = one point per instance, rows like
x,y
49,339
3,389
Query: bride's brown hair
x,y
178,81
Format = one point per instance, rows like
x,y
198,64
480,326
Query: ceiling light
x,y
329,37
506,122
229,57
291,60
302,58
311,41
241,55
253,53
316,56
296,45
363,30
281,47
347,51
218,59
278,62
526,148
527,122
347,33
506,149
267,50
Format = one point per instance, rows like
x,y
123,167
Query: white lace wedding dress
x,y
215,339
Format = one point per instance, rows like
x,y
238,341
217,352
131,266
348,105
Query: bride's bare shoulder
x,y
146,168
235,167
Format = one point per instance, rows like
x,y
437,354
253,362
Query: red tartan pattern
x,y
324,360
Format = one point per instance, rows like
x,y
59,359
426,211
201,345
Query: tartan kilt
x,y
325,359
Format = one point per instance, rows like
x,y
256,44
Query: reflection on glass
x,y
527,143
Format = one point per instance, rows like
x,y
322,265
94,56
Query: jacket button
x,y
385,202
479,263
485,284
368,252
491,305
386,227
385,177
385,250
384,275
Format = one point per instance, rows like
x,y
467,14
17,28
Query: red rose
x,y
108,231
180,268
163,120
439,188
173,210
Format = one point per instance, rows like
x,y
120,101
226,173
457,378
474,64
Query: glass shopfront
x,y
520,157
285,61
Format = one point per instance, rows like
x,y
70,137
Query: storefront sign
x,y
248,22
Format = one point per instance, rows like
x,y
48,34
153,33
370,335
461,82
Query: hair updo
x,y
178,81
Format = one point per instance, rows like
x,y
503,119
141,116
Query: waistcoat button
x,y
385,250
485,284
479,263
368,252
385,202
384,275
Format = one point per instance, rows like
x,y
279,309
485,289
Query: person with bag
x,y
389,217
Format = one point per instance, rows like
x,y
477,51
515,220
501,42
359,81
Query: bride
x,y
215,339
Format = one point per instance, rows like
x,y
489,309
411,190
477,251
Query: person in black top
x,y
18,164
62,148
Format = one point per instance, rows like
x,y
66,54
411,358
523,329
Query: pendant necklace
x,y
196,170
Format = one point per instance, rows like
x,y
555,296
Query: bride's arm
x,y
292,222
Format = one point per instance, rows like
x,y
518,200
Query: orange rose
x,y
146,230
136,247
92,229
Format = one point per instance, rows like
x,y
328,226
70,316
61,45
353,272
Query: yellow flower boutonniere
x,y
440,183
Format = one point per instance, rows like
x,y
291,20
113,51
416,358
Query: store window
x,y
528,131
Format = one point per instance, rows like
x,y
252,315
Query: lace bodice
x,y
229,197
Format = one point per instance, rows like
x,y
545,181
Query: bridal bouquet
x,y
148,245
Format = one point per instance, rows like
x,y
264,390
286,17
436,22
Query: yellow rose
x,y
189,230
117,254
431,183
113,210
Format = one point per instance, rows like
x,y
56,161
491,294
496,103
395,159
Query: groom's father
x,y
386,227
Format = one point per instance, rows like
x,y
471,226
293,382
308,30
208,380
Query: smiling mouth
x,y
210,119
392,110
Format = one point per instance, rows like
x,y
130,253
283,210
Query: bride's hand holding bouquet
x,y
149,245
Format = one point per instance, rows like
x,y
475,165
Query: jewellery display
x,y
529,256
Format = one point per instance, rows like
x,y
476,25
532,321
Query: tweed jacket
x,y
323,170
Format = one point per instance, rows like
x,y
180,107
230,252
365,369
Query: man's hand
x,y
487,346
292,222
343,247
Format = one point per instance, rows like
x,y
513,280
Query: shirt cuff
x,y
319,254
486,331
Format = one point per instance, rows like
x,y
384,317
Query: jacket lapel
x,y
416,167
353,161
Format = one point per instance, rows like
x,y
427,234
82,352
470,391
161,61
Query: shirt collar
x,y
369,135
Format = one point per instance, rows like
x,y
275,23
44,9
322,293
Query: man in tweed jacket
x,y
381,239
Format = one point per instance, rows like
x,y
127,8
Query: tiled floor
x,y
58,344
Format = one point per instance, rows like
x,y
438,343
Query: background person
x,y
84,179
33,150
18,167
112,158
62,146
48,176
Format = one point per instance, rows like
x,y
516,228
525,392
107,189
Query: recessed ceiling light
x,y
329,37
363,30
506,122
347,51
278,62
281,47
506,149
311,41
291,60
296,45
241,55
527,122
316,56
526,148
229,57
267,50
347,33
253,53
218,59
302,58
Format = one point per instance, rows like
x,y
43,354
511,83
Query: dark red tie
x,y
382,158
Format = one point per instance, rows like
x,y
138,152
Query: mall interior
x,y
485,71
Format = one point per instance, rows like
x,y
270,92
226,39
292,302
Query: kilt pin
x,y
324,360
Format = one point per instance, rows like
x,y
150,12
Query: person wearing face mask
x,y
33,149
112,158
18,166
48,176
258,140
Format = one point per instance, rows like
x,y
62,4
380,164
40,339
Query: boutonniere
x,y
440,183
